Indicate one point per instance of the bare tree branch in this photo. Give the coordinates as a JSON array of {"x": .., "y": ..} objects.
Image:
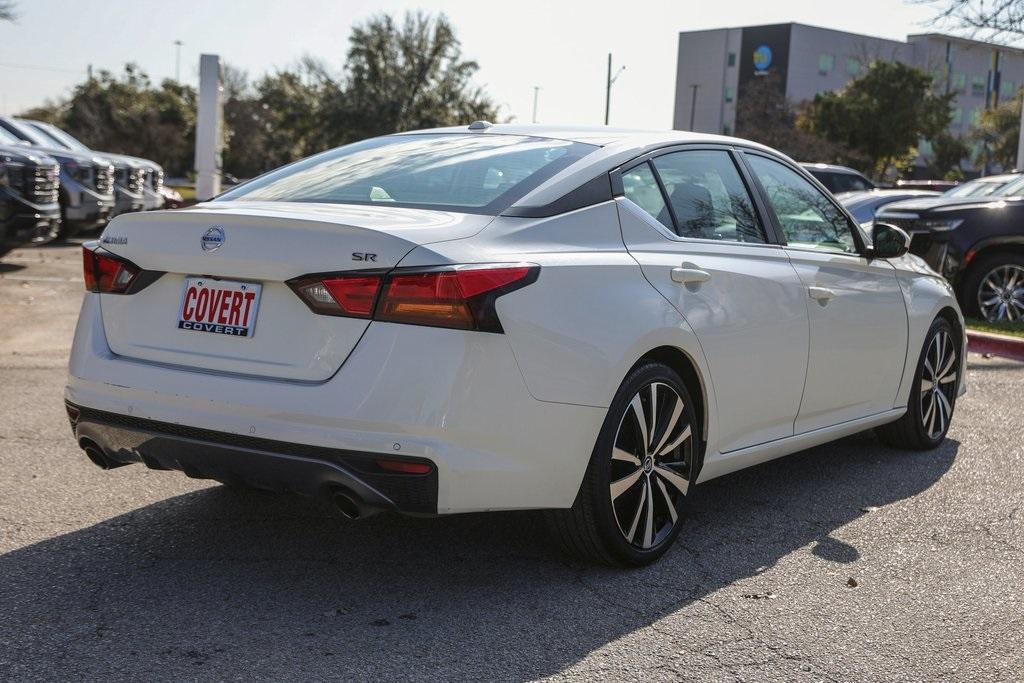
[{"x": 982, "y": 19}]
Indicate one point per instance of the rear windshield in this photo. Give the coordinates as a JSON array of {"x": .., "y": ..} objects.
[{"x": 457, "y": 172}]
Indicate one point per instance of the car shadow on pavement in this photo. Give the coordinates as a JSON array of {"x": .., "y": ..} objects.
[
  {"x": 10, "y": 267},
  {"x": 222, "y": 583}
]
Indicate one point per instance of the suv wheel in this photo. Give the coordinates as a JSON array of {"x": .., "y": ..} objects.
[
  {"x": 630, "y": 505},
  {"x": 994, "y": 288}
]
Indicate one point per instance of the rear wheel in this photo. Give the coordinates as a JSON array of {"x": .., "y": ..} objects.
[
  {"x": 932, "y": 396},
  {"x": 994, "y": 288},
  {"x": 631, "y": 503}
]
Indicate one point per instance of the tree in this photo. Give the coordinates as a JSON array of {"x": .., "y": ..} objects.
[
  {"x": 7, "y": 12},
  {"x": 409, "y": 76},
  {"x": 880, "y": 117},
  {"x": 948, "y": 151},
  {"x": 991, "y": 18},
  {"x": 997, "y": 133},
  {"x": 765, "y": 115}
]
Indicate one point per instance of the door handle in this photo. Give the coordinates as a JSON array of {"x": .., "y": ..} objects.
[
  {"x": 690, "y": 276},
  {"x": 821, "y": 294}
]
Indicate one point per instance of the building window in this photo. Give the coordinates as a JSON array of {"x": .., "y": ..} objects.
[
  {"x": 958, "y": 116},
  {"x": 853, "y": 67},
  {"x": 976, "y": 116},
  {"x": 978, "y": 86},
  {"x": 732, "y": 59},
  {"x": 959, "y": 81},
  {"x": 726, "y": 129},
  {"x": 826, "y": 63},
  {"x": 925, "y": 148},
  {"x": 1007, "y": 89},
  {"x": 729, "y": 95}
]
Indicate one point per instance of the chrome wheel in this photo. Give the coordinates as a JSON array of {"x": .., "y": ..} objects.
[
  {"x": 1001, "y": 294},
  {"x": 938, "y": 384},
  {"x": 650, "y": 465}
]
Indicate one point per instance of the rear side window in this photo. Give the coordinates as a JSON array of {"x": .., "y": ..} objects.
[
  {"x": 470, "y": 173},
  {"x": 848, "y": 182},
  {"x": 640, "y": 187},
  {"x": 708, "y": 196}
]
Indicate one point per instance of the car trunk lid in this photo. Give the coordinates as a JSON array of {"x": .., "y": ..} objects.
[{"x": 232, "y": 245}]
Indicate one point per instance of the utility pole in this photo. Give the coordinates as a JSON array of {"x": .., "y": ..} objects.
[
  {"x": 177, "y": 60},
  {"x": 693, "y": 104},
  {"x": 608, "y": 87},
  {"x": 536, "y": 89}
]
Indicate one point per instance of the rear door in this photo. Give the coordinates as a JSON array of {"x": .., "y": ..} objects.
[
  {"x": 689, "y": 219},
  {"x": 857, "y": 313}
]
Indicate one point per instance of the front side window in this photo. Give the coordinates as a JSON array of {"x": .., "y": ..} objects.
[
  {"x": 641, "y": 187},
  {"x": 471, "y": 173},
  {"x": 808, "y": 218},
  {"x": 708, "y": 196}
]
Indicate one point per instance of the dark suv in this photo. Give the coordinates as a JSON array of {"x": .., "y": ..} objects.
[
  {"x": 29, "y": 212},
  {"x": 977, "y": 243},
  {"x": 838, "y": 178}
]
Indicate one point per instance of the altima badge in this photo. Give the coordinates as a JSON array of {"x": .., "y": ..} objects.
[{"x": 213, "y": 238}]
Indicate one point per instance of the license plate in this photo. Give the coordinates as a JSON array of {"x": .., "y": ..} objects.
[{"x": 219, "y": 306}]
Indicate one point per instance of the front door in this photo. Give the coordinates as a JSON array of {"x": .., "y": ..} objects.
[
  {"x": 856, "y": 308},
  {"x": 706, "y": 251}
]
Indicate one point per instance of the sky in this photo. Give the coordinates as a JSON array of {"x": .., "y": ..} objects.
[{"x": 559, "y": 46}]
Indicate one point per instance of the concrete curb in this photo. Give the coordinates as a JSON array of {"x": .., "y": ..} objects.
[{"x": 996, "y": 344}]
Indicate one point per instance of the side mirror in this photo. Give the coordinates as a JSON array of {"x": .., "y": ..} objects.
[{"x": 888, "y": 241}]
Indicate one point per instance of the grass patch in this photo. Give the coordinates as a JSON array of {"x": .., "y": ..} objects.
[{"x": 1013, "y": 329}]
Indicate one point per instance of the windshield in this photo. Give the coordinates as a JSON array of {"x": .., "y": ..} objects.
[
  {"x": 57, "y": 135},
  {"x": 7, "y": 139},
  {"x": 471, "y": 173},
  {"x": 977, "y": 188},
  {"x": 1014, "y": 188}
]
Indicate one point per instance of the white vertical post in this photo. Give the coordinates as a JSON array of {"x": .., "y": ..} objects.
[
  {"x": 1020, "y": 139},
  {"x": 208, "y": 128}
]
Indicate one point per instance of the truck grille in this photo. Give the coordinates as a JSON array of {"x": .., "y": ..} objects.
[
  {"x": 103, "y": 175},
  {"x": 136, "y": 180},
  {"x": 41, "y": 183}
]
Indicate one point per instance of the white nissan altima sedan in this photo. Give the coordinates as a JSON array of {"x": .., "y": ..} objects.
[{"x": 498, "y": 317}]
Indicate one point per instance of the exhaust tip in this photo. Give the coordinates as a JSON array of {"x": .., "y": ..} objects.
[
  {"x": 95, "y": 454},
  {"x": 347, "y": 505}
]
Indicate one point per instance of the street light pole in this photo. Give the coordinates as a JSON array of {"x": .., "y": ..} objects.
[
  {"x": 536, "y": 89},
  {"x": 693, "y": 104},
  {"x": 608, "y": 87},
  {"x": 177, "y": 60}
]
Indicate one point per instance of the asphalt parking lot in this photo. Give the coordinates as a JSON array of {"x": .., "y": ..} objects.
[{"x": 849, "y": 562}]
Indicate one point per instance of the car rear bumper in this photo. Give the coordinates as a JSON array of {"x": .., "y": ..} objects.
[
  {"x": 456, "y": 399},
  {"x": 262, "y": 463}
]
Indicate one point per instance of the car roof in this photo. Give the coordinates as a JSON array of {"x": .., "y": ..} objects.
[{"x": 1001, "y": 178}]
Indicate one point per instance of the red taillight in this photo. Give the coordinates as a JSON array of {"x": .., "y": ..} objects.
[
  {"x": 460, "y": 297},
  {"x": 351, "y": 296},
  {"x": 106, "y": 273},
  {"x": 448, "y": 298}
]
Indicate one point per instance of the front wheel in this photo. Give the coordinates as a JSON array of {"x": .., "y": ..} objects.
[
  {"x": 932, "y": 395},
  {"x": 630, "y": 506}
]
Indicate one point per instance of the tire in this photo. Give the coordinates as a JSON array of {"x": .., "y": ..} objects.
[
  {"x": 982, "y": 284},
  {"x": 636, "y": 522},
  {"x": 931, "y": 404}
]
